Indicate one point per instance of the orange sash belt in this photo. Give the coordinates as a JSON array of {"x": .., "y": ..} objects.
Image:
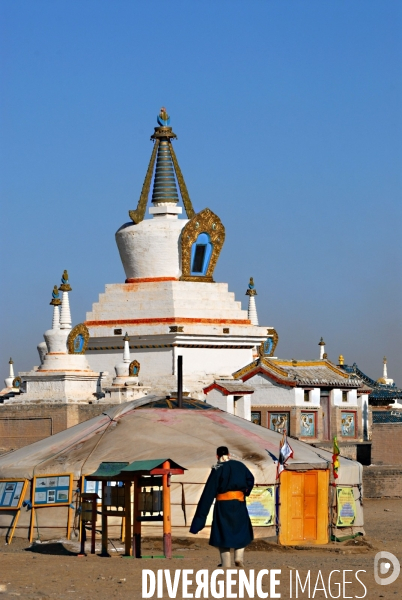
[{"x": 231, "y": 496}]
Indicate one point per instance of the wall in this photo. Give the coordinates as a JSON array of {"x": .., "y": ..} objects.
[
  {"x": 380, "y": 482},
  {"x": 387, "y": 444},
  {"x": 23, "y": 424},
  {"x": 268, "y": 392}
]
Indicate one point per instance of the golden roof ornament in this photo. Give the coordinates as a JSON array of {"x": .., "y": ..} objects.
[
  {"x": 55, "y": 301},
  {"x": 65, "y": 286},
  {"x": 341, "y": 360},
  {"x": 321, "y": 342},
  {"x": 126, "y": 338},
  {"x": 11, "y": 362}
]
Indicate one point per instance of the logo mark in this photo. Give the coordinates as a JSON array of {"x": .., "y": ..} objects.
[{"x": 382, "y": 564}]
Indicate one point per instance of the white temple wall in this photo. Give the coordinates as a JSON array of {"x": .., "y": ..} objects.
[
  {"x": 242, "y": 406},
  {"x": 219, "y": 400},
  {"x": 267, "y": 392},
  {"x": 153, "y": 361},
  {"x": 212, "y": 363},
  {"x": 314, "y": 397}
]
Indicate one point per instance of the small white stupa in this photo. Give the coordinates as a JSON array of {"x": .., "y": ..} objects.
[
  {"x": 12, "y": 383},
  {"x": 385, "y": 379},
  {"x": 64, "y": 374},
  {"x": 321, "y": 344},
  {"x": 125, "y": 386}
]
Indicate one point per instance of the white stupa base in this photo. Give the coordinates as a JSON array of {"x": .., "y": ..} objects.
[
  {"x": 58, "y": 361},
  {"x": 61, "y": 387},
  {"x": 124, "y": 389}
]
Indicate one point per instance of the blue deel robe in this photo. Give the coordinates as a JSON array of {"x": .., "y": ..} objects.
[{"x": 231, "y": 526}]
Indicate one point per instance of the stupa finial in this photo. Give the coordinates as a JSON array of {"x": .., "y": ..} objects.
[
  {"x": 55, "y": 301},
  {"x": 65, "y": 286},
  {"x": 163, "y": 118},
  {"x": 65, "y": 315},
  {"x": 251, "y": 288},
  {"x": 321, "y": 344},
  {"x": 252, "y": 309},
  {"x": 164, "y": 194},
  {"x": 126, "y": 351}
]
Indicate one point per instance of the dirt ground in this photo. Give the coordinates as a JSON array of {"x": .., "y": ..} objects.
[{"x": 53, "y": 569}]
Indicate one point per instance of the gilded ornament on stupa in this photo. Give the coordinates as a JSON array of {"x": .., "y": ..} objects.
[
  {"x": 251, "y": 288},
  {"x": 65, "y": 286},
  {"x": 55, "y": 301}
]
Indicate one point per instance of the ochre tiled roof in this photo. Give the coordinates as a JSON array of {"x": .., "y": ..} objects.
[{"x": 301, "y": 372}]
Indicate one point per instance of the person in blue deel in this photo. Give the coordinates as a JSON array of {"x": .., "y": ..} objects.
[{"x": 228, "y": 484}]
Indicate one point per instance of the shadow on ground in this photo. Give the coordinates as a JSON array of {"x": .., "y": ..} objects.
[{"x": 56, "y": 548}]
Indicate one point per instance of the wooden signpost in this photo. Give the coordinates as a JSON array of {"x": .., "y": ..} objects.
[{"x": 49, "y": 491}]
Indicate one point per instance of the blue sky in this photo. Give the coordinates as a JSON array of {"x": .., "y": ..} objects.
[{"x": 289, "y": 120}]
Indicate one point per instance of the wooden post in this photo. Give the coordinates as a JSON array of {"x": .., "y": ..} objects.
[
  {"x": 32, "y": 523},
  {"x": 127, "y": 518},
  {"x": 136, "y": 522},
  {"x": 69, "y": 522},
  {"x": 167, "y": 523},
  {"x": 83, "y": 538},
  {"x": 104, "y": 522},
  {"x": 93, "y": 524}
]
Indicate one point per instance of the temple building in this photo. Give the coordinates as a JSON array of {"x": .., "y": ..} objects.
[{"x": 312, "y": 400}]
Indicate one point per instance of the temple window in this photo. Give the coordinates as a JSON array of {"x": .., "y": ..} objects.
[
  {"x": 201, "y": 252},
  {"x": 306, "y": 395},
  {"x": 344, "y": 396}
]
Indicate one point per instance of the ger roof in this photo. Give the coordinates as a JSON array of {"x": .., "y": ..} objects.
[{"x": 300, "y": 372}]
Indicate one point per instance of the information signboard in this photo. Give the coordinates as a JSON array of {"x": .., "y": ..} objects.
[
  {"x": 52, "y": 490},
  {"x": 346, "y": 506},
  {"x": 12, "y": 493},
  {"x": 261, "y": 506}
]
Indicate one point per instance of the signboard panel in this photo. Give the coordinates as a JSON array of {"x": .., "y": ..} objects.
[
  {"x": 11, "y": 493},
  {"x": 52, "y": 490},
  {"x": 261, "y": 506},
  {"x": 346, "y": 507}
]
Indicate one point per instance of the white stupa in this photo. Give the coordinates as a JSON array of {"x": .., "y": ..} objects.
[
  {"x": 169, "y": 303},
  {"x": 385, "y": 379},
  {"x": 12, "y": 383},
  {"x": 126, "y": 385},
  {"x": 64, "y": 375}
]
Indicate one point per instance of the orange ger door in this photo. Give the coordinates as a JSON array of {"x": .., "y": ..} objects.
[{"x": 303, "y": 507}]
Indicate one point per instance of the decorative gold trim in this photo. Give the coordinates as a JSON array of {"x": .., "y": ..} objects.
[
  {"x": 138, "y": 214},
  {"x": 182, "y": 185},
  {"x": 272, "y": 332},
  {"x": 79, "y": 329},
  {"x": 239, "y": 374},
  {"x": 314, "y": 363},
  {"x": 17, "y": 381},
  {"x": 272, "y": 365},
  {"x": 203, "y": 222},
  {"x": 131, "y": 368}
]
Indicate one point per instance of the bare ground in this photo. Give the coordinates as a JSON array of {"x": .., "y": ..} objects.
[{"x": 53, "y": 569}]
